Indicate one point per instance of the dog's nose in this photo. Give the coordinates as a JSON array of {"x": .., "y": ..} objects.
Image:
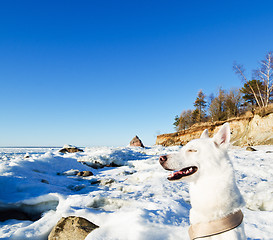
[{"x": 163, "y": 159}]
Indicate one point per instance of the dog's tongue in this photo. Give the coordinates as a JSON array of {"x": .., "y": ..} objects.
[
  {"x": 176, "y": 175},
  {"x": 182, "y": 173}
]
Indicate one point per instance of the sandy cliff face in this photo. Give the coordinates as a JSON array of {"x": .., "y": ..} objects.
[{"x": 244, "y": 132}]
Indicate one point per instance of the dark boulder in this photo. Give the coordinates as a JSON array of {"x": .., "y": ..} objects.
[{"x": 136, "y": 142}]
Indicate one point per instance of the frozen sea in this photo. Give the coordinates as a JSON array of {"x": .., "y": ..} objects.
[{"x": 133, "y": 201}]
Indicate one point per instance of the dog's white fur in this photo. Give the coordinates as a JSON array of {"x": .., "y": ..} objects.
[{"x": 213, "y": 190}]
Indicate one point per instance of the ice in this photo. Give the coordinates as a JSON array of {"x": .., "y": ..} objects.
[{"x": 128, "y": 196}]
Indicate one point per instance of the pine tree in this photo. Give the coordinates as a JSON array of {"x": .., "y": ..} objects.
[
  {"x": 200, "y": 105},
  {"x": 248, "y": 95},
  {"x": 177, "y": 123}
]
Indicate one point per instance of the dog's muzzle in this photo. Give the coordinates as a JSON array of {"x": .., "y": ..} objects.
[
  {"x": 185, "y": 172},
  {"x": 163, "y": 161}
]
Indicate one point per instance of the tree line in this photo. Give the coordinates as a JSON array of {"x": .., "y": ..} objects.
[{"x": 255, "y": 95}]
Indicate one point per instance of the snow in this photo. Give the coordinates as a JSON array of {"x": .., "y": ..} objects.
[
  {"x": 69, "y": 146},
  {"x": 132, "y": 201}
]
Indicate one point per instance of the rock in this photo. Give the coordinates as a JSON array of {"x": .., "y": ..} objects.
[
  {"x": 72, "y": 228},
  {"x": 112, "y": 164},
  {"x": 44, "y": 181},
  {"x": 95, "y": 181},
  {"x": 70, "y": 149},
  {"x": 269, "y": 152},
  {"x": 77, "y": 187},
  {"x": 136, "y": 142},
  {"x": 85, "y": 174},
  {"x": 107, "y": 182},
  {"x": 251, "y": 149}
]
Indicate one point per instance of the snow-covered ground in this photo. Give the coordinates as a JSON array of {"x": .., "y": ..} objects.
[{"x": 132, "y": 201}]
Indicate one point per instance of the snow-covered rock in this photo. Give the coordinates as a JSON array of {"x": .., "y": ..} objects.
[{"x": 70, "y": 149}]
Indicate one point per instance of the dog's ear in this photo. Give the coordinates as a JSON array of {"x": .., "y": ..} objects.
[
  {"x": 205, "y": 134},
  {"x": 222, "y": 138}
]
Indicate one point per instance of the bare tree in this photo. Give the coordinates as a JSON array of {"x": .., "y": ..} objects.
[
  {"x": 184, "y": 121},
  {"x": 240, "y": 71},
  {"x": 233, "y": 103},
  {"x": 217, "y": 108},
  {"x": 265, "y": 74}
]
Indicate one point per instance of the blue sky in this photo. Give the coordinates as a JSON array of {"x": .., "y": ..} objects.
[{"x": 98, "y": 72}]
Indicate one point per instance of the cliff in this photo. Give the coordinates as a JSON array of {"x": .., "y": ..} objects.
[{"x": 245, "y": 131}]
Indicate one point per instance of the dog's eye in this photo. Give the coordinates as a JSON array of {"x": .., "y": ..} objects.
[{"x": 192, "y": 150}]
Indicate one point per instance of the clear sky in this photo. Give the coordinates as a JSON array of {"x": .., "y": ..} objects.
[{"x": 95, "y": 72}]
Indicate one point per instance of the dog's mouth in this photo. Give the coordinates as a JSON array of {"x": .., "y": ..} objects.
[{"x": 185, "y": 172}]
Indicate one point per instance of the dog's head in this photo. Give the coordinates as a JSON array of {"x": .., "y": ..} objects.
[{"x": 199, "y": 156}]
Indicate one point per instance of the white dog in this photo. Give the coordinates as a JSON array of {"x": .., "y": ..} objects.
[{"x": 215, "y": 197}]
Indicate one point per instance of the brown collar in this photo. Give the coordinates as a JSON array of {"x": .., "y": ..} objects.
[{"x": 215, "y": 227}]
